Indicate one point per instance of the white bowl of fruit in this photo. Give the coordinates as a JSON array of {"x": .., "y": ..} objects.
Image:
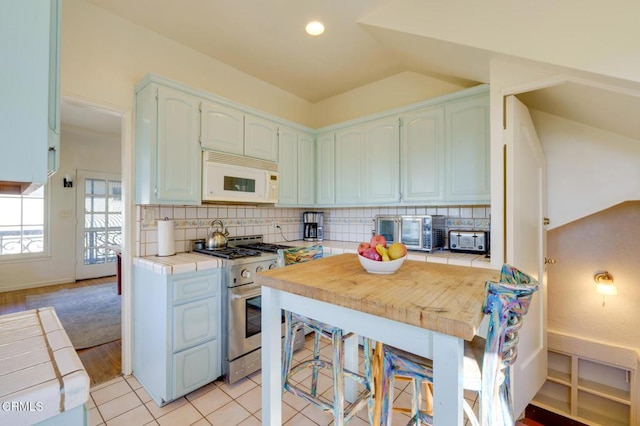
[{"x": 378, "y": 258}]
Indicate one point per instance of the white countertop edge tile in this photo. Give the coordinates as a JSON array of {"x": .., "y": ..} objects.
[{"x": 189, "y": 262}]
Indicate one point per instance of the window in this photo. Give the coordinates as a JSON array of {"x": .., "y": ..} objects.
[{"x": 22, "y": 223}]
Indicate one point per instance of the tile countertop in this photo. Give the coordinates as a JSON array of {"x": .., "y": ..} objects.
[
  {"x": 39, "y": 369},
  {"x": 190, "y": 262},
  {"x": 438, "y": 256},
  {"x": 179, "y": 263}
]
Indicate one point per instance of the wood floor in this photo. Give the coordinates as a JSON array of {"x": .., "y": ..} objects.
[{"x": 102, "y": 362}]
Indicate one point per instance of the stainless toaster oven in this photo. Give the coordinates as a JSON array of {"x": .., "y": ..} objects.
[
  {"x": 469, "y": 241},
  {"x": 416, "y": 232}
]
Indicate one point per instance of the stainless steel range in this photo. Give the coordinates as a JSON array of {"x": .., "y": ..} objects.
[{"x": 242, "y": 259}]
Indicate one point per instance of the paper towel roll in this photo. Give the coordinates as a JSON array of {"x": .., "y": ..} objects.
[{"x": 166, "y": 239}]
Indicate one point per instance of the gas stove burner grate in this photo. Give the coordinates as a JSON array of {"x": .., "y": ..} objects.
[
  {"x": 229, "y": 252},
  {"x": 268, "y": 247}
]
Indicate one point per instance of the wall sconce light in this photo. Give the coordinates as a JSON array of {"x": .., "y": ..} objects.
[
  {"x": 67, "y": 181},
  {"x": 604, "y": 285}
]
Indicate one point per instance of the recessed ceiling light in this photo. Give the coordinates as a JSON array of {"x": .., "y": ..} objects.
[{"x": 314, "y": 28}]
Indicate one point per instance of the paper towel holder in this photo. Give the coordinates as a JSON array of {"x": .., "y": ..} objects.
[{"x": 166, "y": 239}]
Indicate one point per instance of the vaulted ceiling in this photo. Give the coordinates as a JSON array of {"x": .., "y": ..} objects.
[{"x": 266, "y": 39}]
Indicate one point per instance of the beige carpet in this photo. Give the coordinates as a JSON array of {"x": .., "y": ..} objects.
[{"x": 90, "y": 315}]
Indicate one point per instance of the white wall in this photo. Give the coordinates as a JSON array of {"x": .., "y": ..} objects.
[
  {"x": 79, "y": 149},
  {"x": 588, "y": 169},
  {"x": 398, "y": 90},
  {"x": 103, "y": 56}
]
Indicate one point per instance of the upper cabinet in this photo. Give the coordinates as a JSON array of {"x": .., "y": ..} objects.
[
  {"x": 325, "y": 169},
  {"x": 168, "y": 155},
  {"x": 30, "y": 122},
  {"x": 467, "y": 150},
  {"x": 423, "y": 155},
  {"x": 367, "y": 163},
  {"x": 306, "y": 169},
  {"x": 350, "y": 165},
  {"x": 435, "y": 152},
  {"x": 260, "y": 138},
  {"x": 232, "y": 131},
  {"x": 445, "y": 153},
  {"x": 296, "y": 166},
  {"x": 222, "y": 128},
  {"x": 382, "y": 161}
]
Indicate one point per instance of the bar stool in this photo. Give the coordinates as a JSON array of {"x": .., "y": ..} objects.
[
  {"x": 486, "y": 362},
  {"x": 293, "y": 322}
]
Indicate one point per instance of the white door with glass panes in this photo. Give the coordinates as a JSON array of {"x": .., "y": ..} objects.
[{"x": 99, "y": 223}]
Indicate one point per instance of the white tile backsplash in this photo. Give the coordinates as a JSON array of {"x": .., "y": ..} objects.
[{"x": 340, "y": 224}]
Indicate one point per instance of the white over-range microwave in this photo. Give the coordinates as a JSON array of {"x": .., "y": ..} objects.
[{"x": 230, "y": 178}]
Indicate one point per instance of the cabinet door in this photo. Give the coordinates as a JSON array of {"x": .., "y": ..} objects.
[
  {"x": 423, "y": 155},
  {"x": 467, "y": 141},
  {"x": 382, "y": 161},
  {"x": 195, "y": 368},
  {"x": 54, "y": 89},
  {"x": 178, "y": 150},
  {"x": 288, "y": 166},
  {"x": 306, "y": 169},
  {"x": 195, "y": 323},
  {"x": 222, "y": 128},
  {"x": 260, "y": 138},
  {"x": 325, "y": 172},
  {"x": 350, "y": 166},
  {"x": 27, "y": 97}
]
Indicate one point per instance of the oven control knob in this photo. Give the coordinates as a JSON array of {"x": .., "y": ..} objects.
[
  {"x": 259, "y": 269},
  {"x": 245, "y": 273},
  {"x": 273, "y": 265}
]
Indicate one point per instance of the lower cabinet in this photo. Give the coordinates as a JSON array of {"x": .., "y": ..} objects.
[
  {"x": 176, "y": 331},
  {"x": 590, "y": 388}
]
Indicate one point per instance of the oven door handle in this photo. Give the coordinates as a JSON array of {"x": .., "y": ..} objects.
[{"x": 246, "y": 291}]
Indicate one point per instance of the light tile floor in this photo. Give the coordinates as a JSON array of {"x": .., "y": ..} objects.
[{"x": 123, "y": 401}]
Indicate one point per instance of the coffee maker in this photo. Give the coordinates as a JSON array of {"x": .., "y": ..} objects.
[{"x": 312, "y": 226}]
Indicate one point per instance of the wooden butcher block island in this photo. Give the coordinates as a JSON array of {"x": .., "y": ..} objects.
[
  {"x": 439, "y": 297},
  {"x": 428, "y": 309}
]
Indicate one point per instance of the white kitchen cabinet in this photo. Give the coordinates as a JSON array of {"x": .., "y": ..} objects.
[
  {"x": 296, "y": 166},
  {"x": 229, "y": 130},
  {"x": 176, "y": 331},
  {"x": 382, "y": 161},
  {"x": 350, "y": 166},
  {"x": 167, "y": 147},
  {"x": 325, "y": 169},
  {"x": 367, "y": 163},
  {"x": 467, "y": 177},
  {"x": 423, "y": 155},
  {"x": 260, "y": 138},
  {"x": 30, "y": 101},
  {"x": 306, "y": 169},
  {"x": 222, "y": 128},
  {"x": 288, "y": 166}
]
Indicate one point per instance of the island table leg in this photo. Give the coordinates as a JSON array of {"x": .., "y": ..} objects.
[{"x": 271, "y": 358}]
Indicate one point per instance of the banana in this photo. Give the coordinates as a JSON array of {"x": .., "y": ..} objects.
[{"x": 383, "y": 252}]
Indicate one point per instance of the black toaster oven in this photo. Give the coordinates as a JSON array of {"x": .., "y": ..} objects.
[{"x": 466, "y": 241}]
